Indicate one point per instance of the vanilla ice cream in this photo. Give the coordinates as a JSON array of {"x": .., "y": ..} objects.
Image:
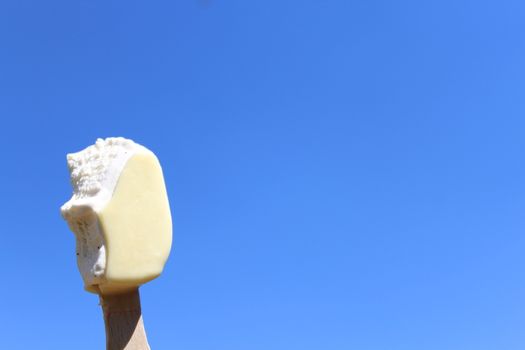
[{"x": 119, "y": 213}]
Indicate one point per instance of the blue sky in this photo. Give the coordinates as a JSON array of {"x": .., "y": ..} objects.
[{"x": 342, "y": 174}]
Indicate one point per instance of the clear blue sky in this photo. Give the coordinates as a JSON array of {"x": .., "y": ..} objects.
[{"x": 342, "y": 174}]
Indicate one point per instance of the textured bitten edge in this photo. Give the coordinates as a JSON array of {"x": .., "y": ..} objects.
[{"x": 94, "y": 175}]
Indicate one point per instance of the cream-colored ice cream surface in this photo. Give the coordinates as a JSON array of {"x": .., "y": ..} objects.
[{"x": 119, "y": 213}]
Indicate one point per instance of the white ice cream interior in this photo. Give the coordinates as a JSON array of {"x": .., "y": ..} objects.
[{"x": 94, "y": 175}]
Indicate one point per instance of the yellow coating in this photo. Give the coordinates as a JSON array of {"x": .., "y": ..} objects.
[{"x": 136, "y": 225}]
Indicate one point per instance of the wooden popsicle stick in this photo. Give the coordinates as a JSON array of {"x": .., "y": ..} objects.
[{"x": 123, "y": 321}]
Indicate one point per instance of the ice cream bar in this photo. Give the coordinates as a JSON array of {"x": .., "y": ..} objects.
[{"x": 120, "y": 215}]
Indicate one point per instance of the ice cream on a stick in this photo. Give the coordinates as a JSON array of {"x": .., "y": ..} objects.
[{"x": 120, "y": 215}]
